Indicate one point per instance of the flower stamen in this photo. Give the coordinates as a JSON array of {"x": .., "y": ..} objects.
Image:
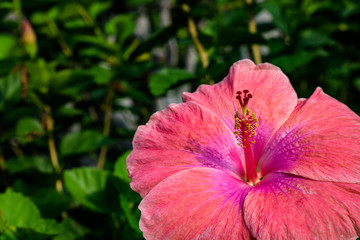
[{"x": 245, "y": 133}]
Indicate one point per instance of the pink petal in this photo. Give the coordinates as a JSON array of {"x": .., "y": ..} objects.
[
  {"x": 180, "y": 137},
  {"x": 320, "y": 140},
  {"x": 285, "y": 207},
  {"x": 199, "y": 203},
  {"x": 273, "y": 97}
]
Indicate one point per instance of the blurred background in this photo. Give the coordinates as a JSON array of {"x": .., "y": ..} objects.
[{"x": 78, "y": 77}]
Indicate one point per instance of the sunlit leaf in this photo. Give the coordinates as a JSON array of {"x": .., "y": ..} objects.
[
  {"x": 18, "y": 211},
  {"x": 92, "y": 187},
  {"x": 80, "y": 142},
  {"x": 7, "y": 45}
]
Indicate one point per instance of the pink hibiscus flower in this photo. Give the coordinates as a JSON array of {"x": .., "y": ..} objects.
[{"x": 246, "y": 159}]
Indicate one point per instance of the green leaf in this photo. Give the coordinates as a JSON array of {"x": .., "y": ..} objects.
[
  {"x": 357, "y": 83},
  {"x": 50, "y": 202},
  {"x": 2, "y": 223},
  {"x": 69, "y": 77},
  {"x": 75, "y": 23},
  {"x": 278, "y": 18},
  {"x": 20, "y": 212},
  {"x": 6, "y": 5},
  {"x": 131, "y": 213},
  {"x": 7, "y": 45},
  {"x": 72, "y": 230},
  {"x": 10, "y": 86},
  {"x": 26, "y": 163},
  {"x": 165, "y": 78},
  {"x": 89, "y": 40},
  {"x": 68, "y": 111},
  {"x": 80, "y": 142},
  {"x": 41, "y": 74},
  {"x": 101, "y": 74},
  {"x": 27, "y": 129},
  {"x": 98, "y": 7},
  {"x": 289, "y": 63},
  {"x": 129, "y": 201},
  {"x": 156, "y": 39},
  {"x": 92, "y": 187},
  {"x": 70, "y": 10},
  {"x": 7, "y": 235},
  {"x": 311, "y": 38},
  {"x": 70, "y": 82},
  {"x": 122, "y": 26},
  {"x": 7, "y": 64},
  {"x": 38, "y": 18},
  {"x": 120, "y": 167}
]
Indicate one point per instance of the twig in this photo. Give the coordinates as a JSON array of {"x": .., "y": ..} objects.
[
  {"x": 252, "y": 29},
  {"x": 107, "y": 124},
  {"x": 57, "y": 34},
  {"x": 204, "y": 58},
  {"x": 52, "y": 147}
]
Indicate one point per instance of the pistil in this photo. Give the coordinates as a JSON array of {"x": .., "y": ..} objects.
[{"x": 245, "y": 126}]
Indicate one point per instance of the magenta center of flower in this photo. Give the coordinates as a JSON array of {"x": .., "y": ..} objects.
[{"x": 245, "y": 132}]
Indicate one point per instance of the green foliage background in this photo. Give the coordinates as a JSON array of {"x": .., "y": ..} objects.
[{"x": 78, "y": 77}]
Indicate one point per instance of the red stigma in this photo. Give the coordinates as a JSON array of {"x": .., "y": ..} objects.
[{"x": 243, "y": 101}]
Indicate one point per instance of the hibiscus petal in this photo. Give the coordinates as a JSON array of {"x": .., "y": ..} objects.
[
  {"x": 320, "y": 140},
  {"x": 200, "y": 203},
  {"x": 180, "y": 137},
  {"x": 288, "y": 207},
  {"x": 273, "y": 98}
]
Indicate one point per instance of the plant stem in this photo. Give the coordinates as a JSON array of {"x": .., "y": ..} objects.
[
  {"x": 194, "y": 35},
  {"x": 17, "y": 9},
  {"x": 107, "y": 124},
  {"x": 52, "y": 147},
  {"x": 252, "y": 29}
]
